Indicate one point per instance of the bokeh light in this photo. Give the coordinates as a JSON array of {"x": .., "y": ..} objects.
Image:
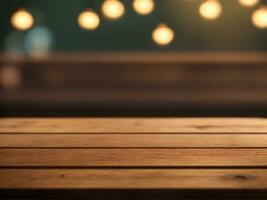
[
  {"x": 39, "y": 41},
  {"x": 10, "y": 77},
  {"x": 163, "y": 35},
  {"x": 259, "y": 17},
  {"x": 113, "y": 9},
  {"x": 248, "y": 3},
  {"x": 14, "y": 42},
  {"x": 143, "y": 7},
  {"x": 210, "y": 9},
  {"x": 22, "y": 20},
  {"x": 88, "y": 20}
]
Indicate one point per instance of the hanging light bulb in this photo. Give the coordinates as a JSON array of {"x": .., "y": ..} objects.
[
  {"x": 163, "y": 35},
  {"x": 88, "y": 20},
  {"x": 143, "y": 7},
  {"x": 113, "y": 9},
  {"x": 22, "y": 20},
  {"x": 210, "y": 9},
  {"x": 248, "y": 3},
  {"x": 259, "y": 17}
]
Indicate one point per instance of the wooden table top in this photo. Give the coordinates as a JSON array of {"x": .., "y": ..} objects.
[{"x": 133, "y": 153}]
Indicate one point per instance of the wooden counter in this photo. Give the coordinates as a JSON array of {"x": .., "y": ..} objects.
[{"x": 133, "y": 153}]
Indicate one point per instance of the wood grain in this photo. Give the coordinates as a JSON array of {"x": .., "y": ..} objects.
[
  {"x": 133, "y": 125},
  {"x": 132, "y": 179},
  {"x": 133, "y": 153},
  {"x": 132, "y": 140},
  {"x": 133, "y": 157}
]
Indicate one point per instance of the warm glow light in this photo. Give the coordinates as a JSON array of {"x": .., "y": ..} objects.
[
  {"x": 22, "y": 20},
  {"x": 10, "y": 77},
  {"x": 88, "y": 20},
  {"x": 259, "y": 17},
  {"x": 143, "y": 7},
  {"x": 248, "y": 3},
  {"x": 163, "y": 35},
  {"x": 210, "y": 9},
  {"x": 113, "y": 9}
]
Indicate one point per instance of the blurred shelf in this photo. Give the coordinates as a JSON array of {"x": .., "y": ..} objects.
[{"x": 141, "y": 57}]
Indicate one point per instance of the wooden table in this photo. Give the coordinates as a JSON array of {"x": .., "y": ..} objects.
[{"x": 133, "y": 154}]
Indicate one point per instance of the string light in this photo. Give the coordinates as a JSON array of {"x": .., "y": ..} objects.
[
  {"x": 113, "y": 9},
  {"x": 163, "y": 35},
  {"x": 210, "y": 9},
  {"x": 248, "y": 3},
  {"x": 88, "y": 20},
  {"x": 22, "y": 20},
  {"x": 143, "y": 7},
  {"x": 259, "y": 17}
]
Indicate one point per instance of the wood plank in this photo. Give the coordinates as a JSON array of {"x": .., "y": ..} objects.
[
  {"x": 133, "y": 157},
  {"x": 132, "y": 140},
  {"x": 133, "y": 179},
  {"x": 133, "y": 125}
]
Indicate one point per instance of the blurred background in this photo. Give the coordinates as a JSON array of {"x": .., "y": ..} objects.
[{"x": 133, "y": 58}]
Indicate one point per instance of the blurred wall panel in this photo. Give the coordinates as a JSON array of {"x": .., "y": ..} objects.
[{"x": 139, "y": 84}]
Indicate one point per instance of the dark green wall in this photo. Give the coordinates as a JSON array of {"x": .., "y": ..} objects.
[{"x": 233, "y": 31}]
